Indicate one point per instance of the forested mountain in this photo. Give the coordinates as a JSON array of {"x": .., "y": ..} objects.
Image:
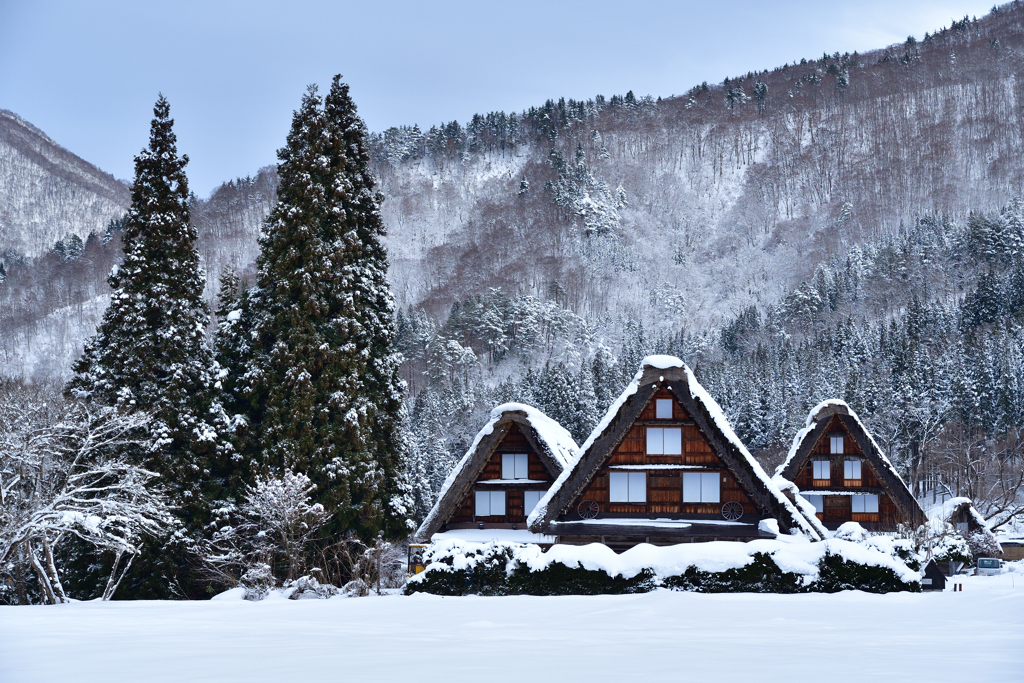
[
  {"x": 47, "y": 193},
  {"x": 793, "y": 233}
]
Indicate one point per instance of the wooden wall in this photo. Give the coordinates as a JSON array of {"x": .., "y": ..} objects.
[
  {"x": 838, "y": 509},
  {"x": 664, "y": 487},
  {"x": 513, "y": 442}
]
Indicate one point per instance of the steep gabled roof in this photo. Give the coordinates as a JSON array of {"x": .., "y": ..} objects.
[
  {"x": 818, "y": 421},
  {"x": 553, "y": 444},
  {"x": 947, "y": 510},
  {"x": 669, "y": 372}
]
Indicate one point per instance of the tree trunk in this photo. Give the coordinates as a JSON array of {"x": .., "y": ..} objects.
[
  {"x": 51, "y": 568},
  {"x": 44, "y": 579},
  {"x": 111, "y": 587}
]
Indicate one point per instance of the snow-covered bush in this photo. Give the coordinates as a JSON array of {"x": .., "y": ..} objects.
[
  {"x": 982, "y": 544},
  {"x": 457, "y": 567},
  {"x": 272, "y": 527},
  {"x": 257, "y": 581},
  {"x": 308, "y": 588}
]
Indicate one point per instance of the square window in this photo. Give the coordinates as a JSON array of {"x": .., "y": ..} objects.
[
  {"x": 530, "y": 500},
  {"x": 837, "y": 445},
  {"x": 871, "y": 503},
  {"x": 701, "y": 487},
  {"x": 822, "y": 469},
  {"x": 664, "y": 441},
  {"x": 490, "y": 503},
  {"x": 815, "y": 500},
  {"x": 627, "y": 487},
  {"x": 663, "y": 408},
  {"x": 851, "y": 469},
  {"x": 515, "y": 466}
]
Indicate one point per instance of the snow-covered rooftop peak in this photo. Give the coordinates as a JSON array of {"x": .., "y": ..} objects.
[
  {"x": 563, "y": 447},
  {"x": 662, "y": 362},
  {"x": 827, "y": 408}
]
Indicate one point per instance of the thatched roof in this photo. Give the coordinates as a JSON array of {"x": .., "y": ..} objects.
[
  {"x": 553, "y": 444},
  {"x": 657, "y": 372},
  {"x": 818, "y": 421}
]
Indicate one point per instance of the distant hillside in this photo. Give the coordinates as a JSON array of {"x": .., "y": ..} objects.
[
  {"x": 47, "y": 193},
  {"x": 677, "y": 212}
]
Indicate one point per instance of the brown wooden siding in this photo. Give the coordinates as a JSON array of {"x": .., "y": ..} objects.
[
  {"x": 513, "y": 442},
  {"x": 664, "y": 487}
]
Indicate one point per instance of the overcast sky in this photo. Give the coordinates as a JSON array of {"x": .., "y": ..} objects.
[{"x": 87, "y": 73}]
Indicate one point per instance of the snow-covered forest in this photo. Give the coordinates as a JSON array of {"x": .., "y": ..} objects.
[{"x": 846, "y": 226}]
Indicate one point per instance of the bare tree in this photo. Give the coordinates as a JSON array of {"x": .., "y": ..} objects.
[{"x": 63, "y": 475}]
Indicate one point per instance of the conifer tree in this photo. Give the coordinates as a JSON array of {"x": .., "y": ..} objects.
[
  {"x": 150, "y": 352},
  {"x": 322, "y": 382}
]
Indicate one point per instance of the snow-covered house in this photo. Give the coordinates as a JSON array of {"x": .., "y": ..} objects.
[
  {"x": 510, "y": 465},
  {"x": 664, "y": 466},
  {"x": 839, "y": 469},
  {"x": 961, "y": 514}
]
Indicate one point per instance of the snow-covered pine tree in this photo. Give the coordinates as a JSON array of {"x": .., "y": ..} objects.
[
  {"x": 323, "y": 379},
  {"x": 150, "y": 352}
]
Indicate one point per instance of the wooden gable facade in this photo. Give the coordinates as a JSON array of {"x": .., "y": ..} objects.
[
  {"x": 512, "y": 463},
  {"x": 662, "y": 470},
  {"x": 840, "y": 470}
]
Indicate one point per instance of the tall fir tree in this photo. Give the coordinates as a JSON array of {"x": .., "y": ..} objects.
[
  {"x": 322, "y": 384},
  {"x": 150, "y": 352}
]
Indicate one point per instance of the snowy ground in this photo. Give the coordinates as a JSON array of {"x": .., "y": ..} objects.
[{"x": 977, "y": 634}]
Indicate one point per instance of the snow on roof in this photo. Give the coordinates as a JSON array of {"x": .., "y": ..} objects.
[
  {"x": 943, "y": 511},
  {"x": 793, "y": 492},
  {"x": 699, "y": 394},
  {"x": 553, "y": 437},
  {"x": 711, "y": 405},
  {"x": 826, "y": 409}
]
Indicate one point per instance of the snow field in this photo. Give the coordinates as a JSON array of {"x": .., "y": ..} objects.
[{"x": 977, "y": 634}]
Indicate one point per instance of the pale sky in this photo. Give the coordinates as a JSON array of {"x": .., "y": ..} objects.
[{"x": 87, "y": 73}]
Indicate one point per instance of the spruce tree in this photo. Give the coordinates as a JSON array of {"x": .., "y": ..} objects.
[
  {"x": 322, "y": 382},
  {"x": 150, "y": 352}
]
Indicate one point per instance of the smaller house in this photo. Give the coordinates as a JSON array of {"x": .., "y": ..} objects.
[
  {"x": 843, "y": 473},
  {"x": 513, "y": 461},
  {"x": 961, "y": 514}
]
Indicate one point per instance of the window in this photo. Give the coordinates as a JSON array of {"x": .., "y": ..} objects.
[
  {"x": 865, "y": 503},
  {"x": 851, "y": 470},
  {"x": 663, "y": 408},
  {"x": 530, "y": 500},
  {"x": 515, "y": 466},
  {"x": 815, "y": 500},
  {"x": 822, "y": 469},
  {"x": 627, "y": 487},
  {"x": 701, "y": 487},
  {"x": 664, "y": 441},
  {"x": 961, "y": 528},
  {"x": 490, "y": 503},
  {"x": 837, "y": 444}
]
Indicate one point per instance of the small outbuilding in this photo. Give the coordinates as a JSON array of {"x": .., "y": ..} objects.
[
  {"x": 513, "y": 461},
  {"x": 932, "y": 577}
]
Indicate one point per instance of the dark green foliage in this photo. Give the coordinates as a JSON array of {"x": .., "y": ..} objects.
[
  {"x": 836, "y": 573},
  {"x": 494, "y": 572},
  {"x": 315, "y": 337},
  {"x": 560, "y": 579},
  {"x": 760, "y": 576}
]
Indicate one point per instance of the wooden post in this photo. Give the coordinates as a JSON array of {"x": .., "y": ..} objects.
[{"x": 380, "y": 542}]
